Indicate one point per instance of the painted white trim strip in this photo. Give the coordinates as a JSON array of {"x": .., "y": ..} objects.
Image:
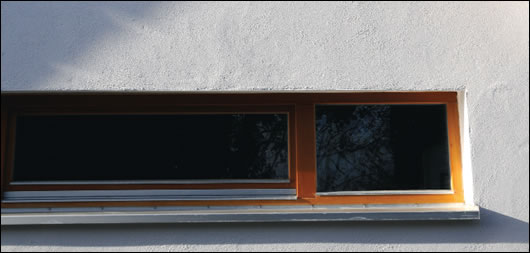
[
  {"x": 245, "y": 214},
  {"x": 148, "y": 195}
]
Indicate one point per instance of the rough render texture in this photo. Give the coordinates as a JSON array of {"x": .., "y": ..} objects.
[{"x": 478, "y": 47}]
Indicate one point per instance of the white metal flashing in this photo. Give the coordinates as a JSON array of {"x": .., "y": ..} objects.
[{"x": 204, "y": 214}]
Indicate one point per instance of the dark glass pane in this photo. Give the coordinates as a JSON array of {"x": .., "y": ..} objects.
[
  {"x": 382, "y": 147},
  {"x": 151, "y": 147}
]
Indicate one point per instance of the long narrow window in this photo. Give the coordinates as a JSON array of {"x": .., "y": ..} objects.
[
  {"x": 230, "y": 149},
  {"x": 156, "y": 148}
]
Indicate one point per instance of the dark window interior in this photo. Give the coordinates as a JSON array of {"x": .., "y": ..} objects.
[
  {"x": 382, "y": 147},
  {"x": 151, "y": 147}
]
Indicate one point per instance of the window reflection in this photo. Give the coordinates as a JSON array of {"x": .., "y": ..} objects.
[
  {"x": 151, "y": 147},
  {"x": 381, "y": 147}
]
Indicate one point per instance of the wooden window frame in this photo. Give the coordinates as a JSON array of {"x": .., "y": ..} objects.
[{"x": 300, "y": 107}]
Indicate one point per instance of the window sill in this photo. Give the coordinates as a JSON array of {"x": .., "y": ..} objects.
[{"x": 205, "y": 214}]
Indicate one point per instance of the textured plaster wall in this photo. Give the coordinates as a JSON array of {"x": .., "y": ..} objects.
[{"x": 478, "y": 47}]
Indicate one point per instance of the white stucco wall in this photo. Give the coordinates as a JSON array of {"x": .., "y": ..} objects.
[{"x": 478, "y": 47}]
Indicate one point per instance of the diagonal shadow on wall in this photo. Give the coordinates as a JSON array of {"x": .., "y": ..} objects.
[
  {"x": 38, "y": 35},
  {"x": 492, "y": 228}
]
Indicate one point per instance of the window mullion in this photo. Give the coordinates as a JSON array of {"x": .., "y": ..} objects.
[{"x": 306, "y": 151}]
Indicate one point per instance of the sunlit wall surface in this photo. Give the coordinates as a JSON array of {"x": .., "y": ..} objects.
[{"x": 480, "y": 48}]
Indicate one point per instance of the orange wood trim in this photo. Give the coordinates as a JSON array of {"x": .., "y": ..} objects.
[
  {"x": 455, "y": 151},
  {"x": 306, "y": 156}
]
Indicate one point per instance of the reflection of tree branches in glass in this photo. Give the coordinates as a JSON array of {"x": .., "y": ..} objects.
[
  {"x": 261, "y": 143},
  {"x": 353, "y": 147}
]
